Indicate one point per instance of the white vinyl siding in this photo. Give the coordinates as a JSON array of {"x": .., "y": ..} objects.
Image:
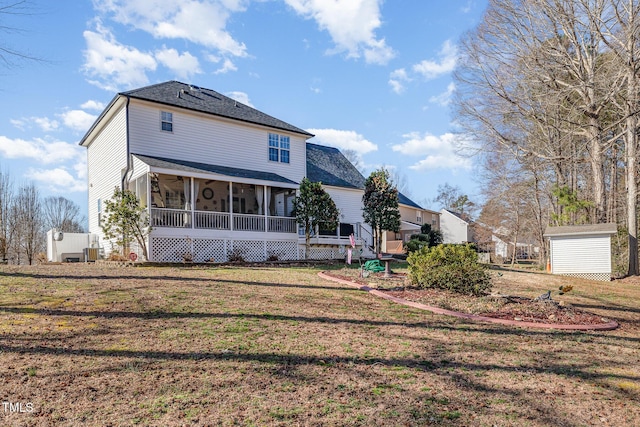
[
  {"x": 454, "y": 229},
  {"x": 106, "y": 157},
  {"x": 348, "y": 202},
  {"x": 211, "y": 140},
  {"x": 581, "y": 254}
]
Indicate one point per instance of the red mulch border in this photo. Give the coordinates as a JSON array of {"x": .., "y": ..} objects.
[{"x": 611, "y": 325}]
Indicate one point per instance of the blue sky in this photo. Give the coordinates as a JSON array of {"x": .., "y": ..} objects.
[{"x": 372, "y": 76}]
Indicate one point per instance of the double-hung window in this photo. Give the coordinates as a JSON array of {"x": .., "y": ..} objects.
[
  {"x": 166, "y": 121},
  {"x": 284, "y": 149},
  {"x": 274, "y": 145},
  {"x": 279, "y": 148}
]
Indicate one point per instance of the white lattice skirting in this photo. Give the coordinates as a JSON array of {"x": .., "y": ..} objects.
[
  {"x": 178, "y": 249},
  {"x": 601, "y": 277}
]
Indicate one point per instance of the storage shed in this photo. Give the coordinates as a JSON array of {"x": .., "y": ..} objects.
[{"x": 581, "y": 250}]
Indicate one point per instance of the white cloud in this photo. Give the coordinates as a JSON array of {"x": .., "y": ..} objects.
[
  {"x": 440, "y": 151},
  {"x": 227, "y": 66},
  {"x": 112, "y": 65},
  {"x": 448, "y": 56},
  {"x": 183, "y": 64},
  {"x": 397, "y": 80},
  {"x": 240, "y": 97},
  {"x": 351, "y": 25},
  {"x": 78, "y": 120},
  {"x": 444, "y": 98},
  {"x": 199, "y": 21},
  {"x": 44, "y": 123},
  {"x": 343, "y": 139},
  {"x": 38, "y": 149},
  {"x": 93, "y": 105},
  {"x": 57, "y": 180}
]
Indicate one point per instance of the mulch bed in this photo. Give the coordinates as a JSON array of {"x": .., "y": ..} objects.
[{"x": 505, "y": 307}]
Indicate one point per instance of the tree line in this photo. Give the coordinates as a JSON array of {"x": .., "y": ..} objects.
[
  {"x": 25, "y": 217},
  {"x": 549, "y": 92}
]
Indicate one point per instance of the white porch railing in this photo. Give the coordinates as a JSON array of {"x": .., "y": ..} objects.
[
  {"x": 211, "y": 220},
  {"x": 278, "y": 224},
  {"x": 244, "y": 222},
  {"x": 174, "y": 218},
  {"x": 179, "y": 218}
]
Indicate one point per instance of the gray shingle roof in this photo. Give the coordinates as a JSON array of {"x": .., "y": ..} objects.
[
  {"x": 183, "y": 95},
  {"x": 407, "y": 201},
  {"x": 576, "y": 230},
  {"x": 330, "y": 167},
  {"x": 187, "y": 166}
]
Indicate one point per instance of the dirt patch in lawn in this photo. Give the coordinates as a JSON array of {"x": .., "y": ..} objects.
[{"x": 550, "y": 307}]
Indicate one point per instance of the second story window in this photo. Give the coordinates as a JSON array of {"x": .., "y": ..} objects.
[
  {"x": 284, "y": 149},
  {"x": 166, "y": 120},
  {"x": 273, "y": 147},
  {"x": 279, "y": 146}
]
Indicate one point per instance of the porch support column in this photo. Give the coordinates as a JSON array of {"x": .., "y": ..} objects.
[
  {"x": 230, "y": 205},
  {"x": 266, "y": 212},
  {"x": 193, "y": 204}
]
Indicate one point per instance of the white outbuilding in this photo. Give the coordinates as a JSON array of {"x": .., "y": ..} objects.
[{"x": 581, "y": 250}]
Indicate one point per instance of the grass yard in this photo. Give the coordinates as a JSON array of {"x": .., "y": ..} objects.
[{"x": 97, "y": 345}]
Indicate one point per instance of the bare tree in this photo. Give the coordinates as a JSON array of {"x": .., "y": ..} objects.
[
  {"x": 28, "y": 214},
  {"x": 556, "y": 83},
  {"x": 6, "y": 202},
  {"x": 535, "y": 81},
  {"x": 619, "y": 29},
  {"x": 354, "y": 158},
  {"x": 400, "y": 180},
  {"x": 11, "y": 10},
  {"x": 451, "y": 198},
  {"x": 62, "y": 214}
]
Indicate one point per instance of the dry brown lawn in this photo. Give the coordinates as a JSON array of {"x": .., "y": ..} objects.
[{"x": 169, "y": 346}]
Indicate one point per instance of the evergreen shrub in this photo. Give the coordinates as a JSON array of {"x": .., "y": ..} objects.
[{"x": 451, "y": 267}]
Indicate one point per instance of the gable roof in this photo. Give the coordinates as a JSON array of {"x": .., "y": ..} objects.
[
  {"x": 458, "y": 215},
  {"x": 330, "y": 167},
  {"x": 187, "y": 166},
  {"x": 190, "y": 97}
]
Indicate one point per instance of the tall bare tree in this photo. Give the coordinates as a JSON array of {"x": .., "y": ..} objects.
[
  {"x": 62, "y": 214},
  {"x": 556, "y": 82},
  {"x": 6, "y": 202},
  {"x": 28, "y": 215}
]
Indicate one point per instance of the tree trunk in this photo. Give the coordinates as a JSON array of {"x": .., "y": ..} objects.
[
  {"x": 595, "y": 159},
  {"x": 632, "y": 183}
]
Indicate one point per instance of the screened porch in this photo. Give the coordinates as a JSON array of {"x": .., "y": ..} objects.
[{"x": 177, "y": 201}]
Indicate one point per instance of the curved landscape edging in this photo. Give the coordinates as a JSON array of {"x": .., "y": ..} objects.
[{"x": 437, "y": 310}]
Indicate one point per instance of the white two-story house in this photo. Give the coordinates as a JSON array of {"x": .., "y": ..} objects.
[{"x": 217, "y": 177}]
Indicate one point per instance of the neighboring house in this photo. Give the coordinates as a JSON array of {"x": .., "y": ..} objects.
[
  {"x": 581, "y": 250},
  {"x": 412, "y": 217},
  {"x": 454, "y": 227},
  {"x": 217, "y": 177}
]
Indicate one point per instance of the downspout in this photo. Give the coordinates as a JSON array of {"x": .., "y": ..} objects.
[{"x": 128, "y": 168}]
